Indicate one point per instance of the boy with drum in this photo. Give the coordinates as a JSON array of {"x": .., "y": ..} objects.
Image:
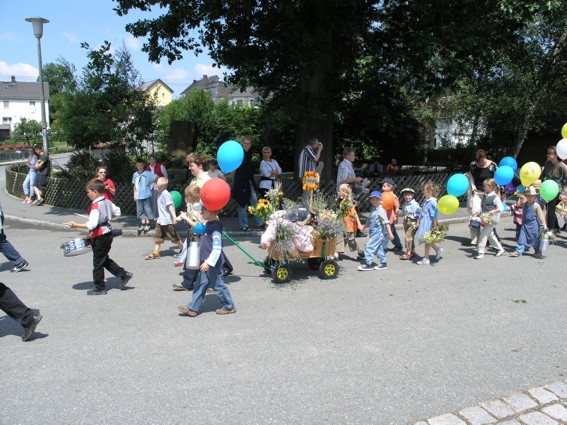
[{"x": 100, "y": 213}]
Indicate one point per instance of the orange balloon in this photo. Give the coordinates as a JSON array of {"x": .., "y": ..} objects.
[{"x": 388, "y": 200}]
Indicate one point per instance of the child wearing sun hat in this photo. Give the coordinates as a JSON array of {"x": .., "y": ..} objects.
[{"x": 410, "y": 212}]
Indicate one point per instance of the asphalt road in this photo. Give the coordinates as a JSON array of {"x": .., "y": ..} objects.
[{"x": 380, "y": 347}]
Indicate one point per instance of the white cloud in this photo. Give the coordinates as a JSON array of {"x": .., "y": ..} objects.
[
  {"x": 175, "y": 75},
  {"x": 22, "y": 71},
  {"x": 71, "y": 37},
  {"x": 132, "y": 42},
  {"x": 209, "y": 70}
]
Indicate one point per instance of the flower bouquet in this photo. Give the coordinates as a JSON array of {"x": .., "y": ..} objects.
[
  {"x": 328, "y": 225},
  {"x": 283, "y": 248},
  {"x": 435, "y": 235},
  {"x": 263, "y": 209},
  {"x": 485, "y": 218}
]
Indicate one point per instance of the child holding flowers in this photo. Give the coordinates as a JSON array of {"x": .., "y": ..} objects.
[
  {"x": 427, "y": 223},
  {"x": 533, "y": 220},
  {"x": 491, "y": 207},
  {"x": 348, "y": 213},
  {"x": 380, "y": 233}
]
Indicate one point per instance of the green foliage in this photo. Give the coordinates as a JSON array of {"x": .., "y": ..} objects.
[
  {"x": 26, "y": 131},
  {"x": 81, "y": 166},
  {"x": 108, "y": 106}
]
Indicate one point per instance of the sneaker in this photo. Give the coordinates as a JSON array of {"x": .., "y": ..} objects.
[
  {"x": 479, "y": 256},
  {"x": 147, "y": 228},
  {"x": 20, "y": 267},
  {"x": 423, "y": 262},
  {"x": 40, "y": 201},
  {"x": 187, "y": 311},
  {"x": 225, "y": 310},
  {"x": 178, "y": 264},
  {"x": 245, "y": 229},
  {"x": 439, "y": 254},
  {"x": 140, "y": 229},
  {"x": 125, "y": 279},
  {"x": 381, "y": 267},
  {"x": 179, "y": 287},
  {"x": 500, "y": 253},
  {"x": 30, "y": 327},
  {"x": 365, "y": 268},
  {"x": 96, "y": 291},
  {"x": 153, "y": 256}
]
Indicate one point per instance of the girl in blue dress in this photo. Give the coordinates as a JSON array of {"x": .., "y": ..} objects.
[{"x": 428, "y": 220}]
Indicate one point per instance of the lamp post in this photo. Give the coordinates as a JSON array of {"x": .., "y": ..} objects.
[{"x": 38, "y": 32}]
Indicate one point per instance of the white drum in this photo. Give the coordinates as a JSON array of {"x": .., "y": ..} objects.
[{"x": 76, "y": 247}]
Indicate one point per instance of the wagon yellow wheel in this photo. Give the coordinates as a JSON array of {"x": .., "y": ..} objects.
[
  {"x": 281, "y": 273},
  {"x": 328, "y": 269}
]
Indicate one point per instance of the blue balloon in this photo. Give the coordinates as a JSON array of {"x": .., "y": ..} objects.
[
  {"x": 503, "y": 175},
  {"x": 521, "y": 189},
  {"x": 457, "y": 185},
  {"x": 230, "y": 156},
  {"x": 510, "y": 162},
  {"x": 199, "y": 229}
]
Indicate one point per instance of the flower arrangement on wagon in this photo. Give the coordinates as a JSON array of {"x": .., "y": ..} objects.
[
  {"x": 311, "y": 181},
  {"x": 267, "y": 206},
  {"x": 435, "y": 235}
]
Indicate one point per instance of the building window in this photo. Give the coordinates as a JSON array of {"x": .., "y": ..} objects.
[
  {"x": 6, "y": 104},
  {"x": 6, "y": 120},
  {"x": 32, "y": 105},
  {"x": 240, "y": 102}
]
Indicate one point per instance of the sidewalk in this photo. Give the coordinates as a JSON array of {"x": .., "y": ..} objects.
[{"x": 56, "y": 217}]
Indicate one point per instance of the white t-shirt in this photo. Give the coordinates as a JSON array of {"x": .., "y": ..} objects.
[{"x": 164, "y": 216}]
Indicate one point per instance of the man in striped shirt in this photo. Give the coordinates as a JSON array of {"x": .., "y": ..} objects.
[{"x": 309, "y": 156}]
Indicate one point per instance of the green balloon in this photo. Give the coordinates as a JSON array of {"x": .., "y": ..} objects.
[
  {"x": 177, "y": 198},
  {"x": 549, "y": 190}
]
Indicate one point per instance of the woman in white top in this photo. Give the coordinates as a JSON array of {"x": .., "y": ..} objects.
[
  {"x": 269, "y": 170},
  {"x": 214, "y": 171}
]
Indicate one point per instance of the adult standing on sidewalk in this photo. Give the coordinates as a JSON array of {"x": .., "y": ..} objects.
[
  {"x": 345, "y": 173},
  {"x": 309, "y": 157},
  {"x": 8, "y": 249},
  {"x": 480, "y": 169},
  {"x": 109, "y": 187},
  {"x": 30, "y": 178},
  {"x": 43, "y": 167},
  {"x": 17, "y": 310},
  {"x": 269, "y": 170},
  {"x": 244, "y": 188}
]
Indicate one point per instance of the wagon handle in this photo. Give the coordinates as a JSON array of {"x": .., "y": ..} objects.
[{"x": 244, "y": 251}]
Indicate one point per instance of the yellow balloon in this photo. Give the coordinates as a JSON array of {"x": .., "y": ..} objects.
[
  {"x": 564, "y": 131},
  {"x": 448, "y": 204},
  {"x": 529, "y": 173}
]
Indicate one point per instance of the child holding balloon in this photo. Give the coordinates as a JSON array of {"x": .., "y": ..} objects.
[
  {"x": 428, "y": 220},
  {"x": 491, "y": 207},
  {"x": 165, "y": 220}
]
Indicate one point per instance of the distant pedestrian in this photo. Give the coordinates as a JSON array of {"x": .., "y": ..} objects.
[
  {"x": 29, "y": 182},
  {"x": 17, "y": 310},
  {"x": 109, "y": 187},
  {"x": 214, "y": 172},
  {"x": 160, "y": 171},
  {"x": 43, "y": 167},
  {"x": 141, "y": 181}
]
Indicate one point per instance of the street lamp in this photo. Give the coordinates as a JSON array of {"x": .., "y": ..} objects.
[{"x": 38, "y": 32}]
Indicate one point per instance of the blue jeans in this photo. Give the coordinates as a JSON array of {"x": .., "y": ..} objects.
[
  {"x": 397, "y": 242},
  {"x": 376, "y": 246},
  {"x": 144, "y": 208},
  {"x": 214, "y": 279},
  {"x": 8, "y": 249},
  {"x": 521, "y": 248},
  {"x": 28, "y": 183},
  {"x": 243, "y": 211}
]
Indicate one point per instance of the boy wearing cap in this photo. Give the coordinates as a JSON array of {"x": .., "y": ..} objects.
[
  {"x": 392, "y": 214},
  {"x": 379, "y": 235},
  {"x": 410, "y": 212}
]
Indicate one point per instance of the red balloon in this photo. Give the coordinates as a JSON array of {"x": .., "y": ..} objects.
[
  {"x": 215, "y": 194},
  {"x": 388, "y": 200}
]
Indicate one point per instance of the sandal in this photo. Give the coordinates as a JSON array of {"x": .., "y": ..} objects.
[
  {"x": 514, "y": 254},
  {"x": 406, "y": 256},
  {"x": 152, "y": 256}
]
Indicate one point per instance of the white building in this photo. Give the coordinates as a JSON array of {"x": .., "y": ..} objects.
[{"x": 20, "y": 100}]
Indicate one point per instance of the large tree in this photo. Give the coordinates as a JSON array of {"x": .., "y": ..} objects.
[
  {"x": 294, "y": 52},
  {"x": 109, "y": 105}
]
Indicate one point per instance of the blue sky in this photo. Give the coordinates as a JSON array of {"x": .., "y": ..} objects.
[{"x": 76, "y": 21}]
